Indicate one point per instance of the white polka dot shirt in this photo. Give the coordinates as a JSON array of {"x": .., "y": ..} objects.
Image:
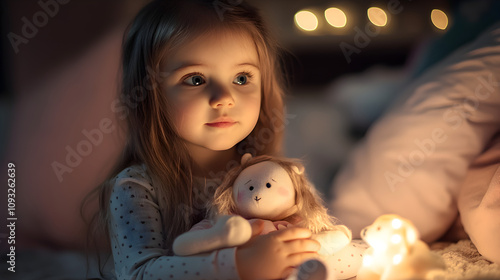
[{"x": 136, "y": 235}]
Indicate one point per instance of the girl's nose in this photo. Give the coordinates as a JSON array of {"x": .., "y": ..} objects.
[{"x": 221, "y": 98}]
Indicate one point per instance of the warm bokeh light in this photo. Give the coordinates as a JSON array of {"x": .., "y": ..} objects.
[
  {"x": 335, "y": 17},
  {"x": 367, "y": 260},
  {"x": 397, "y": 259},
  {"x": 396, "y": 223},
  {"x": 377, "y": 16},
  {"x": 306, "y": 20},
  {"x": 396, "y": 238},
  {"x": 439, "y": 19}
]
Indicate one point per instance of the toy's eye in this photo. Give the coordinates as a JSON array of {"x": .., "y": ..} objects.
[
  {"x": 251, "y": 188},
  {"x": 378, "y": 228},
  {"x": 268, "y": 185}
]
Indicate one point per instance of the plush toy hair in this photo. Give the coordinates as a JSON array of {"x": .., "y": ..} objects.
[{"x": 310, "y": 212}]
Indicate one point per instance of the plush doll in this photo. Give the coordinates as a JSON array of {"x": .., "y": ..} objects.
[
  {"x": 396, "y": 252},
  {"x": 272, "y": 189}
]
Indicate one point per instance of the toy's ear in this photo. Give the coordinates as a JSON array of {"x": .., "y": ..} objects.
[
  {"x": 245, "y": 158},
  {"x": 298, "y": 169},
  {"x": 411, "y": 233}
]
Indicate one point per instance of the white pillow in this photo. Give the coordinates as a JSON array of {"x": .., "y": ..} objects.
[
  {"x": 413, "y": 160},
  {"x": 479, "y": 201}
]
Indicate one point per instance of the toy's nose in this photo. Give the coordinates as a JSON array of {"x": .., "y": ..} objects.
[{"x": 257, "y": 198}]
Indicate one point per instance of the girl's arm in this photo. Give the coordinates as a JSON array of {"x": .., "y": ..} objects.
[{"x": 136, "y": 235}]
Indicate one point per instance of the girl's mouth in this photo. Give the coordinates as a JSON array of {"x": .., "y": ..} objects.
[{"x": 222, "y": 124}]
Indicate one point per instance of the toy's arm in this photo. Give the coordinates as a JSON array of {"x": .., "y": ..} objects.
[
  {"x": 332, "y": 241},
  {"x": 228, "y": 231}
]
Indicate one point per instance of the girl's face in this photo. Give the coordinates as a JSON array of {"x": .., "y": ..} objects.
[{"x": 213, "y": 84}]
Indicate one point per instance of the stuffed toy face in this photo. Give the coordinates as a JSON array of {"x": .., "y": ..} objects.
[{"x": 264, "y": 190}]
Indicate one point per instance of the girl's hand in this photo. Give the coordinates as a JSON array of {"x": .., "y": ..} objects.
[{"x": 273, "y": 256}]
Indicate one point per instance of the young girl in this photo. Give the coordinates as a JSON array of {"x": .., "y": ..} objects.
[{"x": 201, "y": 86}]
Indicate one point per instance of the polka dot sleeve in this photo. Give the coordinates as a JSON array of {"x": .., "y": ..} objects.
[{"x": 136, "y": 235}]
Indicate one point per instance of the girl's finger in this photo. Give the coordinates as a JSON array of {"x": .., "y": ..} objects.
[
  {"x": 292, "y": 233},
  {"x": 257, "y": 227},
  {"x": 302, "y": 246}
]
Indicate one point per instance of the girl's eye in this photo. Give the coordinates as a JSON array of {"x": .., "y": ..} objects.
[
  {"x": 194, "y": 80},
  {"x": 241, "y": 79}
]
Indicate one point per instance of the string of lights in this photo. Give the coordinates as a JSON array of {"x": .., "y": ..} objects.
[{"x": 309, "y": 19}]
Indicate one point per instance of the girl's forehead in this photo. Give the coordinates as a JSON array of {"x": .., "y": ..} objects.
[{"x": 221, "y": 45}]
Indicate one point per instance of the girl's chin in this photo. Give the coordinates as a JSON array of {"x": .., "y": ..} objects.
[
  {"x": 215, "y": 146},
  {"x": 221, "y": 146}
]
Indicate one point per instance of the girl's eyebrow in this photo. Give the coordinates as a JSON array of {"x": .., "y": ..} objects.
[
  {"x": 192, "y": 64},
  {"x": 248, "y": 181},
  {"x": 188, "y": 64},
  {"x": 248, "y": 64}
]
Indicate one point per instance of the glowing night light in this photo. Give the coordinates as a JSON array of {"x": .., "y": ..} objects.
[
  {"x": 335, "y": 17},
  {"x": 396, "y": 223},
  {"x": 396, "y": 238},
  {"x": 367, "y": 260},
  {"x": 396, "y": 252},
  {"x": 306, "y": 20},
  {"x": 397, "y": 259},
  {"x": 439, "y": 19},
  {"x": 380, "y": 246},
  {"x": 377, "y": 16}
]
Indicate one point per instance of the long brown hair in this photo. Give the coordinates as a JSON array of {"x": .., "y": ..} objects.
[
  {"x": 159, "y": 27},
  {"x": 310, "y": 210}
]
